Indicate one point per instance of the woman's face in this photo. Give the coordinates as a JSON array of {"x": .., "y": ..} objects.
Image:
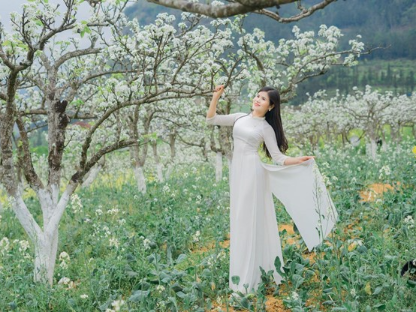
[{"x": 261, "y": 104}]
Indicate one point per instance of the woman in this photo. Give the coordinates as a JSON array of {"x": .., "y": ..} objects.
[{"x": 254, "y": 236}]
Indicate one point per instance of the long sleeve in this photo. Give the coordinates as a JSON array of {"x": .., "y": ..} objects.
[
  {"x": 269, "y": 138},
  {"x": 224, "y": 120}
]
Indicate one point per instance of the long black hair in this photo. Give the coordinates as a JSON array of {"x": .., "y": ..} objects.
[{"x": 274, "y": 120}]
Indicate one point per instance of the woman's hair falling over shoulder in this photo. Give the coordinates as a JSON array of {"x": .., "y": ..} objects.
[{"x": 275, "y": 120}]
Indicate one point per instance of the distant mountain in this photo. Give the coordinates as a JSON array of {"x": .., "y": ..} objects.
[{"x": 380, "y": 22}]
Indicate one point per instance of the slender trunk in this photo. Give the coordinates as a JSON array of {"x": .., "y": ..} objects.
[
  {"x": 141, "y": 181},
  {"x": 1, "y": 205},
  {"x": 205, "y": 148},
  {"x": 138, "y": 164},
  {"x": 395, "y": 134},
  {"x": 218, "y": 167},
  {"x": 344, "y": 138},
  {"x": 384, "y": 143},
  {"x": 169, "y": 170},
  {"x": 92, "y": 175},
  {"x": 159, "y": 171},
  {"x": 172, "y": 144},
  {"x": 229, "y": 161},
  {"x": 159, "y": 166},
  {"x": 372, "y": 148}
]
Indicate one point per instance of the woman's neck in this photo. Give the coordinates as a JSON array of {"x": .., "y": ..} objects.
[{"x": 256, "y": 114}]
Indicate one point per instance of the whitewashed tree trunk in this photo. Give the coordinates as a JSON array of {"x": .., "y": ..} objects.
[
  {"x": 159, "y": 170},
  {"x": 218, "y": 167},
  {"x": 384, "y": 143},
  {"x": 138, "y": 162},
  {"x": 169, "y": 171},
  {"x": 384, "y": 146},
  {"x": 45, "y": 258},
  {"x": 159, "y": 166},
  {"x": 372, "y": 149},
  {"x": 45, "y": 240},
  {"x": 141, "y": 181},
  {"x": 172, "y": 145},
  {"x": 92, "y": 175}
]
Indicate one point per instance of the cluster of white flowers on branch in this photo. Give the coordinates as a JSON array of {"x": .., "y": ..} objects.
[
  {"x": 370, "y": 111},
  {"x": 134, "y": 87}
]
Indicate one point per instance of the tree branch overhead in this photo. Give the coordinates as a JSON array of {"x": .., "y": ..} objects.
[{"x": 238, "y": 7}]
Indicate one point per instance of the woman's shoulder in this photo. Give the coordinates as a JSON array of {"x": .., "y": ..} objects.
[
  {"x": 240, "y": 114},
  {"x": 266, "y": 126}
]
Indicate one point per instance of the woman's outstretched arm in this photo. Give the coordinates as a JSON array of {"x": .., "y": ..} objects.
[
  {"x": 281, "y": 159},
  {"x": 218, "y": 91},
  {"x": 297, "y": 160},
  {"x": 220, "y": 120}
]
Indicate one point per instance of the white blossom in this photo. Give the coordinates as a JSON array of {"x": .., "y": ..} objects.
[{"x": 409, "y": 222}]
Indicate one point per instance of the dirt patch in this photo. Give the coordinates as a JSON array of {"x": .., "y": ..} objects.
[
  {"x": 273, "y": 304},
  {"x": 375, "y": 191},
  {"x": 287, "y": 227}
]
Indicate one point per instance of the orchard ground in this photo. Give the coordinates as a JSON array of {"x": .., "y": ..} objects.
[{"x": 168, "y": 250}]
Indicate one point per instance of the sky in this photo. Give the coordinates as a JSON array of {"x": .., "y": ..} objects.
[{"x": 8, "y": 6}]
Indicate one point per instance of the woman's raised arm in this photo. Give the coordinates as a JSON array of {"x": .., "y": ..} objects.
[
  {"x": 220, "y": 120},
  {"x": 218, "y": 91}
]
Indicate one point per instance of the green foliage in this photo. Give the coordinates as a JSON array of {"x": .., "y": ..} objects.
[{"x": 163, "y": 251}]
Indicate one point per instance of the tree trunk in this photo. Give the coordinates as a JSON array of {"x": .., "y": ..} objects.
[
  {"x": 141, "y": 181},
  {"x": 372, "y": 148},
  {"x": 92, "y": 175},
  {"x": 172, "y": 144},
  {"x": 159, "y": 170},
  {"x": 218, "y": 167},
  {"x": 138, "y": 164},
  {"x": 45, "y": 258},
  {"x": 159, "y": 166},
  {"x": 384, "y": 143},
  {"x": 169, "y": 170},
  {"x": 45, "y": 240}
]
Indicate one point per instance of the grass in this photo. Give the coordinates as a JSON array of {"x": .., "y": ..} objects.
[{"x": 167, "y": 250}]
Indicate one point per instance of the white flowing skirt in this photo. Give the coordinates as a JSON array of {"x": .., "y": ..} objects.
[{"x": 254, "y": 235}]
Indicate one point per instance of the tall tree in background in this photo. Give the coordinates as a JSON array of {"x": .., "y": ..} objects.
[{"x": 65, "y": 80}]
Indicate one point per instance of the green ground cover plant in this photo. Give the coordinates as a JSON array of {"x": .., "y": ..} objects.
[{"x": 167, "y": 250}]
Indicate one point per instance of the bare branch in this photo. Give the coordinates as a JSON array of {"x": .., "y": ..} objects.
[
  {"x": 304, "y": 12},
  {"x": 76, "y": 53},
  {"x": 3, "y": 96},
  {"x": 44, "y": 112},
  {"x": 238, "y": 7},
  {"x": 78, "y": 176},
  {"x": 206, "y": 9},
  {"x": 29, "y": 171}
]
